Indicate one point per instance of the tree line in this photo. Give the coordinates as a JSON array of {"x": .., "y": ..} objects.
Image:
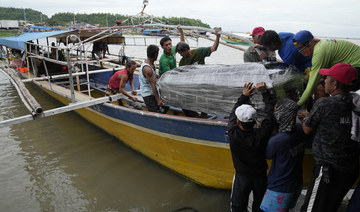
[{"x": 103, "y": 19}]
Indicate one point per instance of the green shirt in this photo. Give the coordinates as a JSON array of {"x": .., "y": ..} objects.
[
  {"x": 197, "y": 56},
  {"x": 166, "y": 62},
  {"x": 326, "y": 54}
]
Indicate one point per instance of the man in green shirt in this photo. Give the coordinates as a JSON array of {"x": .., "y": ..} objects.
[
  {"x": 168, "y": 60},
  {"x": 196, "y": 56},
  {"x": 325, "y": 54}
]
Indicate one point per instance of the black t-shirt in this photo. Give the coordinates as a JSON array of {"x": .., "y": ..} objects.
[
  {"x": 248, "y": 147},
  {"x": 332, "y": 144}
]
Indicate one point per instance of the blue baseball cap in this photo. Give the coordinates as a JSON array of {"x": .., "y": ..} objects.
[{"x": 303, "y": 36}]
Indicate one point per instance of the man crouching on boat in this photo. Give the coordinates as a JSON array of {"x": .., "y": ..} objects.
[
  {"x": 248, "y": 140},
  {"x": 118, "y": 81},
  {"x": 147, "y": 79}
]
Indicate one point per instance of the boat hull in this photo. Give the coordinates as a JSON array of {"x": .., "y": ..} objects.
[
  {"x": 182, "y": 146},
  {"x": 194, "y": 148}
]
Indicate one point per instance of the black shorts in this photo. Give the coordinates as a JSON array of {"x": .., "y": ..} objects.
[{"x": 152, "y": 106}]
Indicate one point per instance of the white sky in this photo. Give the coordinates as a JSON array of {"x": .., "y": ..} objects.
[{"x": 329, "y": 18}]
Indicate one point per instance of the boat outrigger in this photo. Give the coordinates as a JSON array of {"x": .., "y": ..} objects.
[{"x": 196, "y": 148}]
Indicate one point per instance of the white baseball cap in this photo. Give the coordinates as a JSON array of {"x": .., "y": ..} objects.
[{"x": 245, "y": 113}]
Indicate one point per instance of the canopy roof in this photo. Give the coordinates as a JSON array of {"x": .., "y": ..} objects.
[
  {"x": 18, "y": 42},
  {"x": 85, "y": 34}
]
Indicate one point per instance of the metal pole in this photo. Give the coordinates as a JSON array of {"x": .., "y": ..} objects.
[
  {"x": 47, "y": 74},
  {"x": 70, "y": 76}
]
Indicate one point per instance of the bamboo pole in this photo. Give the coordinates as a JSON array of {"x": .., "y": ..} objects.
[
  {"x": 35, "y": 106},
  {"x": 67, "y": 108}
]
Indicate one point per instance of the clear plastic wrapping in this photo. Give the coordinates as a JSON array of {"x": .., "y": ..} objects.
[{"x": 215, "y": 88}]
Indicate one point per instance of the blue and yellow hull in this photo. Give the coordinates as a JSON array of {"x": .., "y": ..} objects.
[
  {"x": 197, "y": 149},
  {"x": 194, "y": 148}
]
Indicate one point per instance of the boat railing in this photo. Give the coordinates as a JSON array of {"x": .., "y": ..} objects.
[{"x": 72, "y": 64}]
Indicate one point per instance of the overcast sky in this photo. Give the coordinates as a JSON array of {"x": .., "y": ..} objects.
[{"x": 331, "y": 18}]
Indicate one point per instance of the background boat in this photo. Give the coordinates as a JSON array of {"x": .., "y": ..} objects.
[{"x": 236, "y": 41}]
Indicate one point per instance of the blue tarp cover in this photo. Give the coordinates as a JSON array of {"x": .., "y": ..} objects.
[
  {"x": 146, "y": 31},
  {"x": 18, "y": 42},
  {"x": 40, "y": 27}
]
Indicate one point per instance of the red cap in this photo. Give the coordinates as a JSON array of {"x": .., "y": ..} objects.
[
  {"x": 342, "y": 72},
  {"x": 258, "y": 31}
]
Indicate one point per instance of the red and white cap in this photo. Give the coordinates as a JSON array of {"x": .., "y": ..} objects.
[
  {"x": 342, "y": 72},
  {"x": 258, "y": 31}
]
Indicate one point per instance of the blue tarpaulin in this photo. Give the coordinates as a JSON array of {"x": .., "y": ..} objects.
[
  {"x": 18, "y": 42},
  {"x": 40, "y": 28}
]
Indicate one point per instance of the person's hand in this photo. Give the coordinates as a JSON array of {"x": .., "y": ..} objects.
[
  {"x": 133, "y": 98},
  {"x": 262, "y": 55},
  {"x": 217, "y": 30},
  {"x": 303, "y": 114},
  {"x": 261, "y": 87},
  {"x": 133, "y": 92},
  {"x": 248, "y": 89},
  {"x": 258, "y": 46},
  {"x": 160, "y": 103}
]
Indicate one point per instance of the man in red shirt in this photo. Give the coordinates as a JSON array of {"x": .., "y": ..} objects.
[{"x": 118, "y": 81}]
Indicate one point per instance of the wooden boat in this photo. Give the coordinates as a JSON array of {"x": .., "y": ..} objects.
[
  {"x": 195, "y": 148},
  {"x": 156, "y": 32},
  {"x": 236, "y": 41}
]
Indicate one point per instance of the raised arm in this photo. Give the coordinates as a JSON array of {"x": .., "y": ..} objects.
[
  {"x": 217, "y": 40},
  {"x": 181, "y": 31}
]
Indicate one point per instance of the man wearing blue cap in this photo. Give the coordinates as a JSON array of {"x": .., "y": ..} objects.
[{"x": 325, "y": 54}]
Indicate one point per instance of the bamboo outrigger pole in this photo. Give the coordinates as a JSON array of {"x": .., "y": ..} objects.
[
  {"x": 70, "y": 107},
  {"x": 35, "y": 107}
]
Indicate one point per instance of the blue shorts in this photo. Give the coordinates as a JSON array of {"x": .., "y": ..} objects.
[{"x": 278, "y": 201}]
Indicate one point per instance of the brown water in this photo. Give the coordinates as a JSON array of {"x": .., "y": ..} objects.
[{"x": 64, "y": 163}]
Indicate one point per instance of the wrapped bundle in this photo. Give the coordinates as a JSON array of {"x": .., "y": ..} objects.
[{"x": 215, "y": 88}]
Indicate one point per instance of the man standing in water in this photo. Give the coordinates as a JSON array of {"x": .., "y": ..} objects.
[
  {"x": 168, "y": 60},
  {"x": 247, "y": 145},
  {"x": 147, "y": 79}
]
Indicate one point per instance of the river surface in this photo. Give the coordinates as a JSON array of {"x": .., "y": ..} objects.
[{"x": 64, "y": 163}]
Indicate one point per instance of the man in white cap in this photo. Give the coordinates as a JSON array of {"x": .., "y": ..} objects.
[{"x": 248, "y": 140}]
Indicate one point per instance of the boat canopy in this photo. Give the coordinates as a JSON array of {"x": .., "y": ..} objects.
[
  {"x": 18, "y": 42},
  {"x": 86, "y": 34},
  {"x": 155, "y": 32}
]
